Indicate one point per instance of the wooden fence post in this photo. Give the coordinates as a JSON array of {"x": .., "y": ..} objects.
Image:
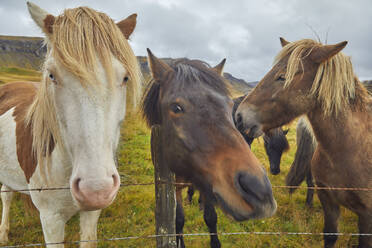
[{"x": 165, "y": 200}]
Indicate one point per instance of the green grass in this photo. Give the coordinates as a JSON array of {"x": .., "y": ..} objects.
[
  {"x": 19, "y": 72},
  {"x": 9, "y": 37},
  {"x": 132, "y": 213},
  {"x": 13, "y": 74}
]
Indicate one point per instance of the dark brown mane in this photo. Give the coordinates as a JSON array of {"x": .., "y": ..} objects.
[
  {"x": 186, "y": 71},
  {"x": 149, "y": 105}
]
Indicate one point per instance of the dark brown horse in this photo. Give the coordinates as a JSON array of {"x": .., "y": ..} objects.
[
  {"x": 318, "y": 81},
  {"x": 275, "y": 143},
  {"x": 190, "y": 101}
]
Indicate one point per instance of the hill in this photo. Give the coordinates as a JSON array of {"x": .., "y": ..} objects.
[
  {"x": 29, "y": 52},
  {"x": 23, "y": 52},
  {"x": 368, "y": 85},
  {"x": 12, "y": 74},
  {"x": 237, "y": 86}
]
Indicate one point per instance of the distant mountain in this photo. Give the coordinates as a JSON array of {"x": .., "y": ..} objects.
[
  {"x": 368, "y": 85},
  {"x": 29, "y": 52},
  {"x": 240, "y": 84},
  {"x": 23, "y": 52}
]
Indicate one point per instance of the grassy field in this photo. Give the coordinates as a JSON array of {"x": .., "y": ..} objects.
[
  {"x": 12, "y": 74},
  {"x": 132, "y": 213}
]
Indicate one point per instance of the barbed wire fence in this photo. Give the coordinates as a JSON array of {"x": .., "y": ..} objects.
[
  {"x": 189, "y": 235},
  {"x": 165, "y": 208},
  {"x": 125, "y": 185},
  {"x": 190, "y": 184}
]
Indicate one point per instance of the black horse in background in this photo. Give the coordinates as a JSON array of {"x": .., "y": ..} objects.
[{"x": 301, "y": 166}]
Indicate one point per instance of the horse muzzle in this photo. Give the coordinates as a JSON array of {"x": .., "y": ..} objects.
[
  {"x": 94, "y": 194},
  {"x": 246, "y": 122}
]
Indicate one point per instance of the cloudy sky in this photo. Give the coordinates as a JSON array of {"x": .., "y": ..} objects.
[{"x": 246, "y": 32}]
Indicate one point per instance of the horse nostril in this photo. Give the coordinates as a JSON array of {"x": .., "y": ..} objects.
[
  {"x": 115, "y": 179},
  {"x": 239, "y": 118},
  {"x": 252, "y": 186},
  {"x": 253, "y": 130},
  {"x": 75, "y": 185},
  {"x": 248, "y": 184}
]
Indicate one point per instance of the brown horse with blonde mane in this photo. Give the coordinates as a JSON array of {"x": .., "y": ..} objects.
[{"x": 318, "y": 80}]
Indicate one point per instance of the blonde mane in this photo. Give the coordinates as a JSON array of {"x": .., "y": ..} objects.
[
  {"x": 80, "y": 37},
  {"x": 334, "y": 85}
]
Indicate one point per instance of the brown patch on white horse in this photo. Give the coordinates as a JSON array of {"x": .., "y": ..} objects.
[{"x": 19, "y": 96}]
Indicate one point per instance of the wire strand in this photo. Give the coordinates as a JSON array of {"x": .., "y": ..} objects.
[
  {"x": 190, "y": 235},
  {"x": 190, "y": 184}
]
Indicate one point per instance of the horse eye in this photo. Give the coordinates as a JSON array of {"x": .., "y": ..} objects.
[
  {"x": 51, "y": 76},
  {"x": 125, "y": 79},
  {"x": 176, "y": 108},
  {"x": 281, "y": 78}
]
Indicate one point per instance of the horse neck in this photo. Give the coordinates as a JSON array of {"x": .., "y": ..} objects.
[{"x": 341, "y": 133}]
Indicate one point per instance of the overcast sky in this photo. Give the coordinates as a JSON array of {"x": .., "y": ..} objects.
[{"x": 245, "y": 32}]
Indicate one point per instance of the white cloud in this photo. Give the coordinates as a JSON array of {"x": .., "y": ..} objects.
[{"x": 245, "y": 32}]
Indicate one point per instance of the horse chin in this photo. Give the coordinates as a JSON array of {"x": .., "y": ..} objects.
[
  {"x": 254, "y": 132},
  {"x": 228, "y": 210},
  {"x": 256, "y": 213}
]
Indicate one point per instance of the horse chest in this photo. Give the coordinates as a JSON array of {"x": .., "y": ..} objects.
[
  {"x": 342, "y": 174},
  {"x": 332, "y": 172}
]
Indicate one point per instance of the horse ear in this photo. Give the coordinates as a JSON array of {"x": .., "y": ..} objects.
[
  {"x": 219, "y": 68},
  {"x": 158, "y": 68},
  {"x": 325, "y": 52},
  {"x": 127, "y": 25},
  {"x": 285, "y": 132},
  {"x": 42, "y": 18},
  {"x": 283, "y": 41}
]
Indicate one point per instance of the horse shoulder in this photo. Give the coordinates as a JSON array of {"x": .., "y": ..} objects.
[{"x": 19, "y": 96}]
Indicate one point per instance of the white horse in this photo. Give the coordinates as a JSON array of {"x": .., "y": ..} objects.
[{"x": 64, "y": 131}]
